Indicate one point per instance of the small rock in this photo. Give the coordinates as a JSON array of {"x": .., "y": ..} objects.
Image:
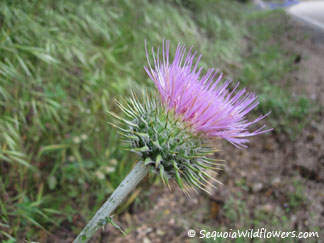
[
  {"x": 148, "y": 230},
  {"x": 146, "y": 240},
  {"x": 267, "y": 208},
  {"x": 160, "y": 232},
  {"x": 276, "y": 181},
  {"x": 172, "y": 221},
  {"x": 257, "y": 187},
  {"x": 243, "y": 173}
]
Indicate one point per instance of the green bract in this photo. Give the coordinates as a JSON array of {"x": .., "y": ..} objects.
[{"x": 168, "y": 146}]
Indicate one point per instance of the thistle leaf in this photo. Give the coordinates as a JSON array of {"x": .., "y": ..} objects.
[{"x": 158, "y": 160}]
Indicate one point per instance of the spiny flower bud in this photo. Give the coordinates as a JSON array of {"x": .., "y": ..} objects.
[{"x": 170, "y": 147}]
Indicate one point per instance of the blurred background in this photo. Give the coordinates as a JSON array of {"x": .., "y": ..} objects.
[{"x": 62, "y": 64}]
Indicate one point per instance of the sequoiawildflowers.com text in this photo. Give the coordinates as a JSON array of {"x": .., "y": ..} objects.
[{"x": 251, "y": 233}]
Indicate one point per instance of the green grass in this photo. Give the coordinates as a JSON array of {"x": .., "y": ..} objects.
[
  {"x": 62, "y": 63},
  {"x": 266, "y": 68}
]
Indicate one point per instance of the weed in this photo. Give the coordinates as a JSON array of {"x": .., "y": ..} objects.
[{"x": 297, "y": 197}]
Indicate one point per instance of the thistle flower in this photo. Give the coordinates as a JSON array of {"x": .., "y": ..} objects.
[
  {"x": 203, "y": 101},
  {"x": 171, "y": 133}
]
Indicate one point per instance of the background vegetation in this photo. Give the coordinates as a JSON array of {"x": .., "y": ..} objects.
[{"x": 62, "y": 63}]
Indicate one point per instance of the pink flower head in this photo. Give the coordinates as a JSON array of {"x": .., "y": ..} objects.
[{"x": 203, "y": 101}]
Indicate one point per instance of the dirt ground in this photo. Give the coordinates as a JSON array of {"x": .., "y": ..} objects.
[{"x": 276, "y": 183}]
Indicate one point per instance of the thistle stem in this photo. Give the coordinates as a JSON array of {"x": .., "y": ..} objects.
[{"x": 126, "y": 186}]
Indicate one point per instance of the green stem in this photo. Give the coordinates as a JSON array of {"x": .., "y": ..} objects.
[{"x": 128, "y": 184}]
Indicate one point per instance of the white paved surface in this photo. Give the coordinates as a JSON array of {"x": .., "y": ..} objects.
[{"x": 310, "y": 12}]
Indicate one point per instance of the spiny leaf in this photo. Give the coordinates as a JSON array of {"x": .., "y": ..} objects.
[
  {"x": 148, "y": 160},
  {"x": 142, "y": 149},
  {"x": 158, "y": 160}
]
